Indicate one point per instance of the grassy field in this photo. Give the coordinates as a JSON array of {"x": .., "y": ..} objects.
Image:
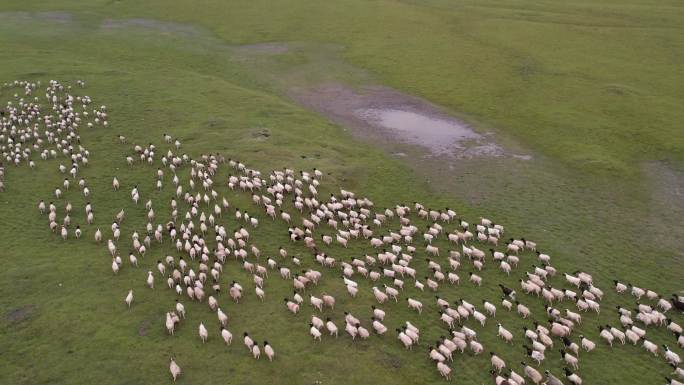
[{"x": 593, "y": 89}]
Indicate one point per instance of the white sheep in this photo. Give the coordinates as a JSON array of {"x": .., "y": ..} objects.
[
  {"x": 203, "y": 333},
  {"x": 174, "y": 369},
  {"x": 415, "y": 305},
  {"x": 129, "y": 298}
]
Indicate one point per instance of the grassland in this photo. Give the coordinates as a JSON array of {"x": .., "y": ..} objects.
[{"x": 592, "y": 88}]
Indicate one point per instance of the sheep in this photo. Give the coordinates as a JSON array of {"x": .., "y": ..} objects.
[
  {"x": 445, "y": 350},
  {"x": 536, "y": 355},
  {"x": 432, "y": 250},
  {"x": 391, "y": 292},
  {"x": 444, "y": 370},
  {"x": 378, "y": 326},
  {"x": 606, "y": 335},
  {"x": 222, "y": 317},
  {"x": 270, "y": 353},
  {"x": 543, "y": 258},
  {"x": 651, "y": 347},
  {"x": 475, "y": 347},
  {"x": 532, "y": 374},
  {"x": 150, "y": 280},
  {"x": 505, "y": 334},
  {"x": 331, "y": 327},
  {"x": 226, "y": 335},
  {"x": 572, "y": 377},
  {"x": 476, "y": 279},
  {"x": 522, "y": 310},
  {"x": 129, "y": 298},
  {"x": 436, "y": 355},
  {"x": 559, "y": 330},
  {"x": 569, "y": 359},
  {"x": 671, "y": 357},
  {"x": 411, "y": 331},
  {"x": 203, "y": 333},
  {"x": 636, "y": 291},
  {"x": 293, "y": 307},
  {"x": 249, "y": 343},
  {"x": 415, "y": 305},
  {"x": 170, "y": 324},
  {"x": 235, "y": 292},
  {"x": 256, "y": 352},
  {"x": 673, "y": 327},
  {"x": 379, "y": 295},
  {"x": 174, "y": 369},
  {"x": 329, "y": 301},
  {"x": 352, "y": 330},
  {"x": 497, "y": 362},
  {"x": 574, "y": 317},
  {"x": 617, "y": 334},
  {"x": 479, "y": 317}
]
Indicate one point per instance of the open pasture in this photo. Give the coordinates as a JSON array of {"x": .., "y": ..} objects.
[{"x": 571, "y": 140}]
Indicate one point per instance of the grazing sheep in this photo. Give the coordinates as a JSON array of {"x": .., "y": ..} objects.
[
  {"x": 150, "y": 280},
  {"x": 415, "y": 305},
  {"x": 256, "y": 352},
  {"x": 444, "y": 370},
  {"x": 572, "y": 377},
  {"x": 505, "y": 334},
  {"x": 671, "y": 357},
  {"x": 476, "y": 279},
  {"x": 174, "y": 369},
  {"x": 532, "y": 374},
  {"x": 497, "y": 362},
  {"x": 476, "y": 347},
  {"x": 226, "y": 335},
  {"x": 203, "y": 333},
  {"x": 651, "y": 347},
  {"x": 522, "y": 310},
  {"x": 606, "y": 335},
  {"x": 405, "y": 339},
  {"x": 129, "y": 298},
  {"x": 270, "y": 353},
  {"x": 569, "y": 359}
]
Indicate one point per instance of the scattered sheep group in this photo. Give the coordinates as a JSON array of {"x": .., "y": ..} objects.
[{"x": 196, "y": 227}]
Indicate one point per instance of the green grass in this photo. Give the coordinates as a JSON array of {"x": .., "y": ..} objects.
[{"x": 592, "y": 88}]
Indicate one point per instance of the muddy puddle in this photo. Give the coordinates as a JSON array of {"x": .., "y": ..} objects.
[
  {"x": 392, "y": 119},
  {"x": 439, "y": 135}
]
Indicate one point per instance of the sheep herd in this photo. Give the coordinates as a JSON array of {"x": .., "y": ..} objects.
[{"x": 399, "y": 242}]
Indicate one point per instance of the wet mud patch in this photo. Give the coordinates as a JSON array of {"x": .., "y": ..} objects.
[
  {"x": 260, "y": 134},
  {"x": 666, "y": 207},
  {"x": 263, "y": 48},
  {"x": 21, "y": 313},
  {"x": 194, "y": 34},
  {"x": 54, "y": 17},
  {"x": 391, "y": 361},
  {"x": 164, "y": 27},
  {"x": 380, "y": 114},
  {"x": 144, "y": 326}
]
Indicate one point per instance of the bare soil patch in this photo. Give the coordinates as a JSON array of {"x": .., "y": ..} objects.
[
  {"x": 21, "y": 313},
  {"x": 144, "y": 326}
]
